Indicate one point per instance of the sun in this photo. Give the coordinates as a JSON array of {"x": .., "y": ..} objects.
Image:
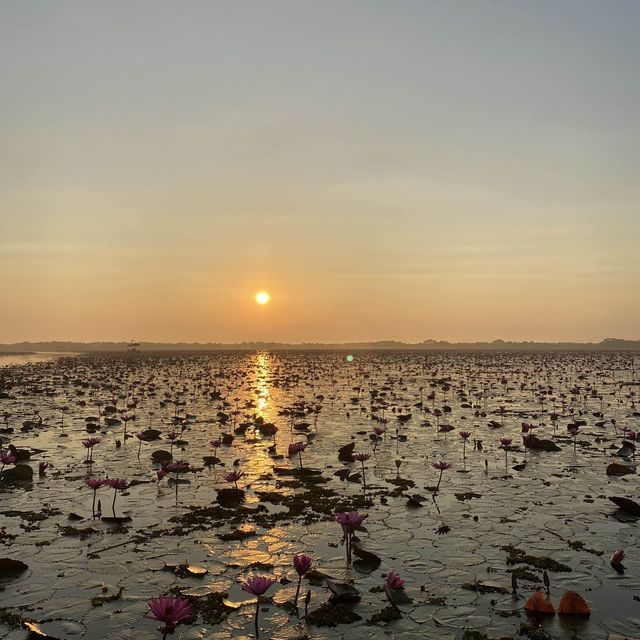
[{"x": 262, "y": 297}]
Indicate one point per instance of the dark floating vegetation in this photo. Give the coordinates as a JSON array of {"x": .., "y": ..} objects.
[{"x": 459, "y": 496}]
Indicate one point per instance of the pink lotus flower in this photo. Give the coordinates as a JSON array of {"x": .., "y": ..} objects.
[
  {"x": 95, "y": 484},
  {"x": 465, "y": 435},
  {"x": 142, "y": 437},
  {"x": 233, "y": 476},
  {"x": 161, "y": 473},
  {"x": 302, "y": 563},
  {"x": 617, "y": 558},
  {"x": 504, "y": 443},
  {"x": 170, "y": 610},
  {"x": 89, "y": 443},
  {"x": 216, "y": 444},
  {"x": 349, "y": 521},
  {"x": 172, "y": 436},
  {"x": 126, "y": 419},
  {"x": 117, "y": 484},
  {"x": 177, "y": 467},
  {"x": 257, "y": 586},
  {"x": 378, "y": 432},
  {"x": 442, "y": 467},
  {"x": 6, "y": 458},
  {"x": 362, "y": 458},
  {"x": 296, "y": 447},
  {"x": 394, "y": 581}
]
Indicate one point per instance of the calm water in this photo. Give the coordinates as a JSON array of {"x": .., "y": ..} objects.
[
  {"x": 552, "y": 505},
  {"x": 12, "y": 359}
]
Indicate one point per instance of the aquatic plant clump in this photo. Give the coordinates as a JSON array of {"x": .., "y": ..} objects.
[{"x": 343, "y": 536}]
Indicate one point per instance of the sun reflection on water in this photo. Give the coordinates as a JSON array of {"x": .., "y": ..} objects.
[{"x": 262, "y": 375}]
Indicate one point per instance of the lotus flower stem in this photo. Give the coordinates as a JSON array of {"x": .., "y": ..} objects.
[
  {"x": 295, "y": 600},
  {"x": 439, "y": 481},
  {"x": 256, "y": 619}
]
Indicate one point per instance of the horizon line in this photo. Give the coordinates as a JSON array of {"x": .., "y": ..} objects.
[{"x": 428, "y": 344}]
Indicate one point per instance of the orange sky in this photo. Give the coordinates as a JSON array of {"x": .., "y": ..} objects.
[{"x": 459, "y": 171}]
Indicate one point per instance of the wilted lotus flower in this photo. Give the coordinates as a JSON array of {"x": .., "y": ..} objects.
[
  {"x": 170, "y": 610},
  {"x": 42, "y": 468},
  {"x": 394, "y": 581},
  {"x": 617, "y": 558},
  {"x": 298, "y": 447}
]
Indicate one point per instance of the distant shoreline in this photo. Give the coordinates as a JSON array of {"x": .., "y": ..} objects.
[
  {"x": 7, "y": 352},
  {"x": 608, "y": 344}
]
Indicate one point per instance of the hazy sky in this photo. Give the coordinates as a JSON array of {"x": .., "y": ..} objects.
[{"x": 386, "y": 170}]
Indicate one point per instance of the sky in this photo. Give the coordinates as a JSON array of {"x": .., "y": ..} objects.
[{"x": 410, "y": 170}]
